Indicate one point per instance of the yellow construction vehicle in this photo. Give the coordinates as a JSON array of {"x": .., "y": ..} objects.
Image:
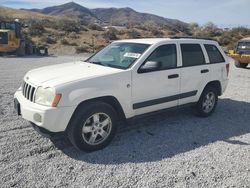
[
  {"x": 242, "y": 53},
  {"x": 12, "y": 40}
]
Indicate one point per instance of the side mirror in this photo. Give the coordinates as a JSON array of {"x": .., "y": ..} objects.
[{"x": 150, "y": 66}]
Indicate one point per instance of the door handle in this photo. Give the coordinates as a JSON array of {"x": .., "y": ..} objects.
[
  {"x": 173, "y": 76},
  {"x": 204, "y": 71}
]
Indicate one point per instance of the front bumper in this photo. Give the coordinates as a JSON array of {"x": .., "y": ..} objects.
[{"x": 49, "y": 118}]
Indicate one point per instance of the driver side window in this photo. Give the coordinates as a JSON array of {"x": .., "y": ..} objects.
[{"x": 165, "y": 55}]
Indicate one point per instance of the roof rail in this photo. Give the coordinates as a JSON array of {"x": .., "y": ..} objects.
[{"x": 188, "y": 37}]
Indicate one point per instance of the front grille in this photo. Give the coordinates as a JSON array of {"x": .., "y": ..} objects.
[
  {"x": 3, "y": 38},
  {"x": 28, "y": 92}
]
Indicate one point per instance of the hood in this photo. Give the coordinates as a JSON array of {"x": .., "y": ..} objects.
[{"x": 56, "y": 75}]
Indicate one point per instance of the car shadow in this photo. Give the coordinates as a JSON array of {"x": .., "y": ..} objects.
[{"x": 167, "y": 134}]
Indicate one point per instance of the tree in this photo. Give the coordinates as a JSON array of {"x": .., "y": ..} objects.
[
  {"x": 210, "y": 25},
  {"x": 194, "y": 26}
]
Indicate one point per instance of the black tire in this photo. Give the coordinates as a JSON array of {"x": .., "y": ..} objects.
[
  {"x": 240, "y": 65},
  {"x": 80, "y": 118},
  {"x": 21, "y": 50},
  {"x": 201, "y": 110},
  {"x": 29, "y": 49}
]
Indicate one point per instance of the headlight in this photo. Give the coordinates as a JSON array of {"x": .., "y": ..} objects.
[{"x": 47, "y": 97}]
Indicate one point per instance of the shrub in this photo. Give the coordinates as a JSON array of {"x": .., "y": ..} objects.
[
  {"x": 171, "y": 33},
  {"x": 224, "y": 41},
  {"x": 51, "y": 40},
  {"x": 73, "y": 35},
  {"x": 110, "y": 35},
  {"x": 121, "y": 32},
  {"x": 156, "y": 32},
  {"x": 73, "y": 44},
  {"x": 68, "y": 26},
  {"x": 95, "y": 27},
  {"x": 82, "y": 49},
  {"x": 114, "y": 30},
  {"x": 64, "y": 42},
  {"x": 36, "y": 29},
  {"x": 184, "y": 29},
  {"x": 99, "y": 47},
  {"x": 134, "y": 34},
  {"x": 141, "y": 27}
]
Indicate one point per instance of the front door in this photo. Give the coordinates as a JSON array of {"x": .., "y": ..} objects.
[{"x": 157, "y": 89}]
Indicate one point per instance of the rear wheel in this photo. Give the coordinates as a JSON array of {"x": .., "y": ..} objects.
[
  {"x": 93, "y": 126},
  {"x": 240, "y": 65},
  {"x": 207, "y": 102}
]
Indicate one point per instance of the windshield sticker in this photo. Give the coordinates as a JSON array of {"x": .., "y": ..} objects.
[{"x": 133, "y": 55}]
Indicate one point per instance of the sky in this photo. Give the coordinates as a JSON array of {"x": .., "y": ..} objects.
[{"x": 224, "y": 13}]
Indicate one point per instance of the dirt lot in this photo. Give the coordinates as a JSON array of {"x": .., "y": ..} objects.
[{"x": 171, "y": 149}]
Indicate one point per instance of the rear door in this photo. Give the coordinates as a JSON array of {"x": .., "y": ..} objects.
[{"x": 195, "y": 72}]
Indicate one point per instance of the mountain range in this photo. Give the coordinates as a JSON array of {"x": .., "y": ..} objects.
[{"x": 109, "y": 16}]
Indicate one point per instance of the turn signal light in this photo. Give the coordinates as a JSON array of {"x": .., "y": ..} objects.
[{"x": 56, "y": 100}]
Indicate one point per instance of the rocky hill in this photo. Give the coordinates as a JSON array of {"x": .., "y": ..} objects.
[
  {"x": 125, "y": 16},
  {"x": 71, "y": 10},
  {"x": 113, "y": 16}
]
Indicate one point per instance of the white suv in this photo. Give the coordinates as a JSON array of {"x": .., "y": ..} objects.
[{"x": 127, "y": 78}]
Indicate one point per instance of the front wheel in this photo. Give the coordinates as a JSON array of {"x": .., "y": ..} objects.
[
  {"x": 93, "y": 126},
  {"x": 207, "y": 102}
]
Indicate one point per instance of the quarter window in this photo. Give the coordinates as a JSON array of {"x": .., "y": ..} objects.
[
  {"x": 166, "y": 55},
  {"x": 192, "y": 55},
  {"x": 214, "y": 54}
]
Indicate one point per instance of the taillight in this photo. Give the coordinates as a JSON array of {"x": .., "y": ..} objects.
[{"x": 227, "y": 67}]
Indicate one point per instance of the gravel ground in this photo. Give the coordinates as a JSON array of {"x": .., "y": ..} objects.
[{"x": 171, "y": 149}]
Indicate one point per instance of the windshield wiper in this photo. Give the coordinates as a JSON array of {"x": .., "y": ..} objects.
[
  {"x": 116, "y": 66},
  {"x": 97, "y": 63}
]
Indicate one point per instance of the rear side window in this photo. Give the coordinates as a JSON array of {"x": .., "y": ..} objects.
[
  {"x": 192, "y": 55},
  {"x": 214, "y": 54},
  {"x": 166, "y": 55}
]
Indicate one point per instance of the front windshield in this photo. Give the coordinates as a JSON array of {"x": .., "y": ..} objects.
[
  {"x": 244, "y": 46},
  {"x": 119, "y": 55}
]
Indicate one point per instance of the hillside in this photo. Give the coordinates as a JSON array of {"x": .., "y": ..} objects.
[
  {"x": 72, "y": 10},
  {"x": 11, "y": 13},
  {"x": 115, "y": 16},
  {"x": 125, "y": 16}
]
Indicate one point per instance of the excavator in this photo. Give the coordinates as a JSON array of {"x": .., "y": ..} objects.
[{"x": 13, "y": 41}]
